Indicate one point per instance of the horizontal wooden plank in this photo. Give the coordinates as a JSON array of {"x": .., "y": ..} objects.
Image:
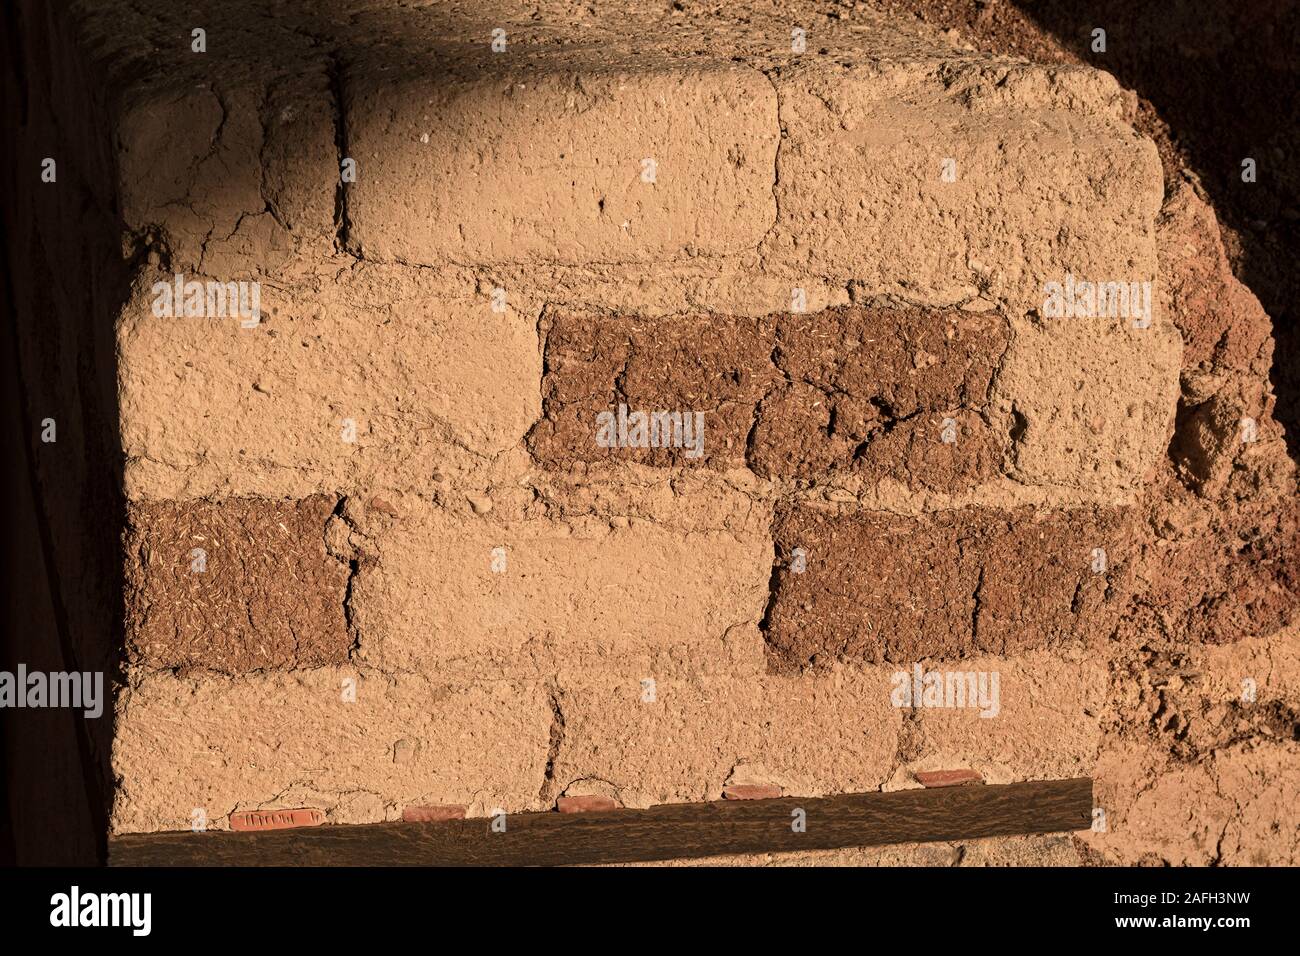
[{"x": 660, "y": 833}]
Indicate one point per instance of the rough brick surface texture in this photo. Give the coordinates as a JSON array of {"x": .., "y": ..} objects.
[
  {"x": 867, "y": 390},
  {"x": 394, "y": 548},
  {"x": 889, "y": 588},
  {"x": 238, "y": 586}
]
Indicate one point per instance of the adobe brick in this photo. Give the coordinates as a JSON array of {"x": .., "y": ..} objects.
[
  {"x": 883, "y": 392},
  {"x": 234, "y": 586},
  {"x": 883, "y": 587}
]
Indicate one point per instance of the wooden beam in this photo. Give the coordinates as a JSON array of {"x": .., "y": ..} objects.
[{"x": 665, "y": 832}]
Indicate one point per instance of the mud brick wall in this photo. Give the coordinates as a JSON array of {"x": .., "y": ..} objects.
[{"x": 373, "y": 556}]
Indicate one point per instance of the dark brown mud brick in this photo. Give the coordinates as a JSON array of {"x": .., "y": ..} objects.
[
  {"x": 878, "y": 587},
  {"x": 716, "y": 365},
  {"x": 886, "y": 393},
  {"x": 235, "y": 585},
  {"x": 892, "y": 393}
]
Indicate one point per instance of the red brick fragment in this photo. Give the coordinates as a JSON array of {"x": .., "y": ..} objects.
[
  {"x": 383, "y": 506},
  {"x": 276, "y": 819},
  {"x": 947, "y": 778},
  {"x": 751, "y": 791},
  {"x": 434, "y": 814},
  {"x": 586, "y": 804}
]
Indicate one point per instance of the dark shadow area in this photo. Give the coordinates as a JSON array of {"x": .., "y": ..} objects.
[{"x": 66, "y": 281}]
